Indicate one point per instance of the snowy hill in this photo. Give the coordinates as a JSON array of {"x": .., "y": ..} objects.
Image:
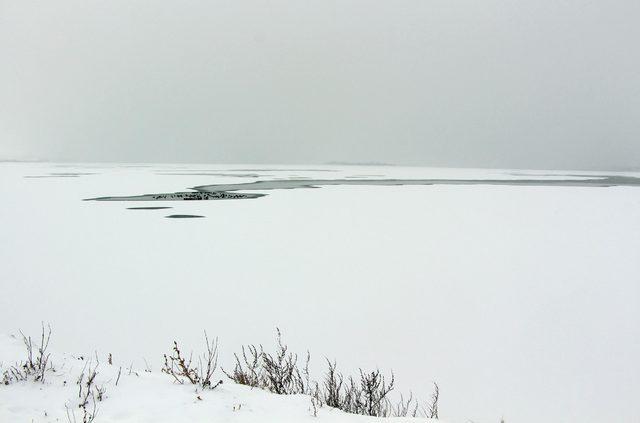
[{"x": 122, "y": 394}]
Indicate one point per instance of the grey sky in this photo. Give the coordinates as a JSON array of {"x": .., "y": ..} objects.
[{"x": 494, "y": 83}]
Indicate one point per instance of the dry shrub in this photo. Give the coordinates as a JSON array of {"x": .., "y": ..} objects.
[
  {"x": 181, "y": 368},
  {"x": 36, "y": 364},
  {"x": 277, "y": 372},
  {"x": 367, "y": 394}
]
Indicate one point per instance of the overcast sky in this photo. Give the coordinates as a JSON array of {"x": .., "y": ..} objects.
[{"x": 492, "y": 83}]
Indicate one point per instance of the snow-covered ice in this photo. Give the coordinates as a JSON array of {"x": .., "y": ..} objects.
[{"x": 519, "y": 301}]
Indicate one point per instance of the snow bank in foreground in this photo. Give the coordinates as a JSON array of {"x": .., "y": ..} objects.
[{"x": 146, "y": 396}]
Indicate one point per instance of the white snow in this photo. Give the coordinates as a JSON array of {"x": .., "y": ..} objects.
[
  {"x": 141, "y": 397},
  {"x": 520, "y": 302}
]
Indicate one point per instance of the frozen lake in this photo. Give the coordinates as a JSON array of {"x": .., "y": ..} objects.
[{"x": 521, "y": 297}]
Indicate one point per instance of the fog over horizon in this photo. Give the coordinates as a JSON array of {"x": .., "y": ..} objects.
[{"x": 506, "y": 84}]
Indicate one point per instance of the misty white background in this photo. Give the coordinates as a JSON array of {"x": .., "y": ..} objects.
[{"x": 495, "y": 83}]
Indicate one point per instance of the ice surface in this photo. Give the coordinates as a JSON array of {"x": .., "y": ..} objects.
[{"x": 520, "y": 301}]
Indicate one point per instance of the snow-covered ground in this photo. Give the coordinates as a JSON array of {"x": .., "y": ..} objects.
[
  {"x": 138, "y": 396},
  {"x": 519, "y": 301}
]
